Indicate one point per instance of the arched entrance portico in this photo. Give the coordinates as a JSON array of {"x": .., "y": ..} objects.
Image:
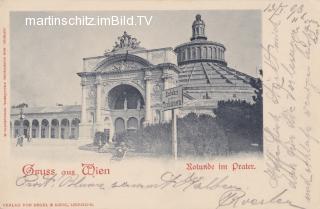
[{"x": 127, "y": 107}]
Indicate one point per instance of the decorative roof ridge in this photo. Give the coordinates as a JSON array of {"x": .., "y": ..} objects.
[
  {"x": 201, "y": 42},
  {"x": 38, "y": 109}
]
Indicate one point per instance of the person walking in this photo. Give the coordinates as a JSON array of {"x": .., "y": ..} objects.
[{"x": 20, "y": 139}]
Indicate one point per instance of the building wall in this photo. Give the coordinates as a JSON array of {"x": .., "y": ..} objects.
[{"x": 46, "y": 125}]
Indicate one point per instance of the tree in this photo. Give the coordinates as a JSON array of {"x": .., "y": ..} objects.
[
  {"x": 21, "y": 105},
  {"x": 242, "y": 120}
]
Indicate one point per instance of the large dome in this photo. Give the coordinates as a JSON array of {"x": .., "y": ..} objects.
[{"x": 204, "y": 73}]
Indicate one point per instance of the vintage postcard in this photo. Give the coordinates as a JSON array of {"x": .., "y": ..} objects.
[{"x": 159, "y": 104}]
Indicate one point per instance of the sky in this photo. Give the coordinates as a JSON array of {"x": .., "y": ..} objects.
[{"x": 45, "y": 59}]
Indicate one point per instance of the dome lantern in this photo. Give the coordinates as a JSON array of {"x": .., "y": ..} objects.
[
  {"x": 198, "y": 29},
  {"x": 199, "y": 49}
]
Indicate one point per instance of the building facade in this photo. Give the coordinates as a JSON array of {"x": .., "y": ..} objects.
[
  {"x": 121, "y": 90},
  {"x": 59, "y": 122}
]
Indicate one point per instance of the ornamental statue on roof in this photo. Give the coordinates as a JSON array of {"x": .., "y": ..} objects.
[{"x": 126, "y": 41}]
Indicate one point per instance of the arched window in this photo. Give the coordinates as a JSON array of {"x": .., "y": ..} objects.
[
  {"x": 119, "y": 125},
  {"x": 132, "y": 123}
]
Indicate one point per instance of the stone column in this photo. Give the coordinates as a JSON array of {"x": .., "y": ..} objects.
[
  {"x": 30, "y": 129},
  {"x": 49, "y": 127},
  {"x": 215, "y": 53},
  {"x": 98, "y": 101},
  {"x": 58, "y": 131},
  {"x": 84, "y": 126},
  {"x": 147, "y": 78},
  {"x": 39, "y": 131},
  {"x": 69, "y": 131},
  {"x": 12, "y": 130},
  {"x": 83, "y": 103},
  {"x": 186, "y": 54},
  {"x": 166, "y": 85}
]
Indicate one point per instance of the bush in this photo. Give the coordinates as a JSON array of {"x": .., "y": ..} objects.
[
  {"x": 152, "y": 139},
  {"x": 197, "y": 136},
  {"x": 201, "y": 136}
]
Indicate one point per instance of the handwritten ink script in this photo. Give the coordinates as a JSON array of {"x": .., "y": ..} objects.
[
  {"x": 228, "y": 194},
  {"x": 42, "y": 181},
  {"x": 289, "y": 88}
]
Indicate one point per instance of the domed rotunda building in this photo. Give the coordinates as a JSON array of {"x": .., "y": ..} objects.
[
  {"x": 205, "y": 75},
  {"x": 122, "y": 88}
]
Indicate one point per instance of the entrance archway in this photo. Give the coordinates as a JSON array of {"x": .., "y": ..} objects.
[
  {"x": 125, "y": 96},
  {"x": 126, "y": 104}
]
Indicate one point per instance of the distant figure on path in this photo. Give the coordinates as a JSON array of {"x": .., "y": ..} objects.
[{"x": 20, "y": 140}]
